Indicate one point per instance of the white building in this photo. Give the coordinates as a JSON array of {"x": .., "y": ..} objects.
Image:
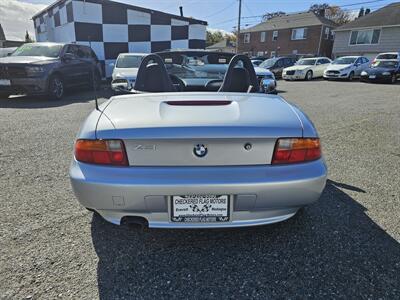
[{"x": 113, "y": 28}]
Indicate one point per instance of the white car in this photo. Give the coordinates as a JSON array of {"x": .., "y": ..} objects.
[
  {"x": 346, "y": 67},
  {"x": 306, "y": 69},
  {"x": 388, "y": 56},
  {"x": 125, "y": 71}
]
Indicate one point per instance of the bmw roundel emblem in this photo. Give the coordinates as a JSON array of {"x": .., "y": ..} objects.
[{"x": 200, "y": 150}]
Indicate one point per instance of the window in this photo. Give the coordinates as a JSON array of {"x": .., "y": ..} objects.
[
  {"x": 294, "y": 52},
  {"x": 327, "y": 32},
  {"x": 365, "y": 37},
  {"x": 287, "y": 62},
  {"x": 323, "y": 61},
  {"x": 260, "y": 53},
  {"x": 263, "y": 34},
  {"x": 273, "y": 54},
  {"x": 247, "y": 38},
  {"x": 275, "y": 35},
  {"x": 299, "y": 34}
]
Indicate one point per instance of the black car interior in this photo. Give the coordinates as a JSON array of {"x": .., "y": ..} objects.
[{"x": 153, "y": 77}]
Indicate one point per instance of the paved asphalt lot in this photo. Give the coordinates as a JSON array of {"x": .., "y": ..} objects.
[{"x": 344, "y": 246}]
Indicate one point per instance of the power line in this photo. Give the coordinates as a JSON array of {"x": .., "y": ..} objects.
[
  {"x": 219, "y": 11},
  {"x": 260, "y": 16},
  {"x": 359, "y": 3}
]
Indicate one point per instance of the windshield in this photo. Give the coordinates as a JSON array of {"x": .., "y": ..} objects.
[
  {"x": 189, "y": 65},
  {"x": 344, "y": 61},
  {"x": 306, "y": 62},
  {"x": 268, "y": 63},
  {"x": 385, "y": 64},
  {"x": 387, "y": 56},
  {"x": 129, "y": 61},
  {"x": 38, "y": 50}
]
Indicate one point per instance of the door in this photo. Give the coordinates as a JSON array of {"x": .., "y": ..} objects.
[
  {"x": 321, "y": 65},
  {"x": 359, "y": 66},
  {"x": 278, "y": 68},
  {"x": 74, "y": 67}
]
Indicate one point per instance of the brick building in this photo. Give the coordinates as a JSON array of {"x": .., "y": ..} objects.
[{"x": 306, "y": 33}]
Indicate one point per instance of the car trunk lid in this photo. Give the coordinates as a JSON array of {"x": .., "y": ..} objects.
[{"x": 165, "y": 129}]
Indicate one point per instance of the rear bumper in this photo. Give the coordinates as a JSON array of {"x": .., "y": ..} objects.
[
  {"x": 259, "y": 194},
  {"x": 31, "y": 86}
]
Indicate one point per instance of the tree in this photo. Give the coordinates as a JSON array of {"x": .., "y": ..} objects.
[
  {"x": 216, "y": 36},
  {"x": 361, "y": 12},
  {"x": 268, "y": 16},
  {"x": 28, "y": 38},
  {"x": 213, "y": 37},
  {"x": 333, "y": 13}
]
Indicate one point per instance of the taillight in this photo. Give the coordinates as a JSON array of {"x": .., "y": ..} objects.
[
  {"x": 296, "y": 150},
  {"x": 102, "y": 152}
]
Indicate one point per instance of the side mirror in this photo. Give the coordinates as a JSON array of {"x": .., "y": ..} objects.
[
  {"x": 8, "y": 54},
  {"x": 68, "y": 57}
]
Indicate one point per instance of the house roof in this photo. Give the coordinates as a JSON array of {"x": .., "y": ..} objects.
[
  {"x": 302, "y": 19},
  {"x": 222, "y": 44},
  {"x": 386, "y": 16},
  {"x": 2, "y": 35}
]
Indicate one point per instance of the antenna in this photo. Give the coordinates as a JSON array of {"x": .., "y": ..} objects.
[{"x": 94, "y": 80}]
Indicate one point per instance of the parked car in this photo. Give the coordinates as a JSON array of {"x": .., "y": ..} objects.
[
  {"x": 382, "y": 71},
  {"x": 346, "y": 67},
  {"x": 256, "y": 62},
  {"x": 7, "y": 51},
  {"x": 307, "y": 68},
  {"x": 206, "y": 69},
  {"x": 201, "y": 159},
  {"x": 125, "y": 71},
  {"x": 48, "y": 69},
  {"x": 387, "y": 56},
  {"x": 277, "y": 64}
]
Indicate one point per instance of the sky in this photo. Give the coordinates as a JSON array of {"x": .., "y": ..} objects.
[{"x": 15, "y": 15}]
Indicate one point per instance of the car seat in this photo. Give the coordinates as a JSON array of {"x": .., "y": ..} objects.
[
  {"x": 240, "y": 76},
  {"x": 152, "y": 76}
]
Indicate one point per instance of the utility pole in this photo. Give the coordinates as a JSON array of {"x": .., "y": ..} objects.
[{"x": 238, "y": 27}]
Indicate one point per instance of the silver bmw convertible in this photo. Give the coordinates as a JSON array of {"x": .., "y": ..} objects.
[{"x": 193, "y": 148}]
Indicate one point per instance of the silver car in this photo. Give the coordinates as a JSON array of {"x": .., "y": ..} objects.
[
  {"x": 196, "y": 159},
  {"x": 346, "y": 67}
]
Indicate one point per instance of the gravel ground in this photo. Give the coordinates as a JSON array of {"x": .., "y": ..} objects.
[{"x": 344, "y": 246}]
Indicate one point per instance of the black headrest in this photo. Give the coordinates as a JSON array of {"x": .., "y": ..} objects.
[
  {"x": 152, "y": 76},
  {"x": 238, "y": 79}
]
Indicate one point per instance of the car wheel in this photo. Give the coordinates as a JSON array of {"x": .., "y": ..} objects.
[
  {"x": 309, "y": 75},
  {"x": 56, "y": 87},
  {"x": 4, "y": 95},
  {"x": 393, "y": 79},
  {"x": 351, "y": 76}
]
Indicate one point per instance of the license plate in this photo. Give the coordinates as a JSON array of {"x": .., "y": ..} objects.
[
  {"x": 200, "y": 208},
  {"x": 5, "y": 82},
  {"x": 372, "y": 76}
]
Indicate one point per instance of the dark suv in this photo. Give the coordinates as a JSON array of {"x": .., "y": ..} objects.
[
  {"x": 277, "y": 64},
  {"x": 48, "y": 69}
]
